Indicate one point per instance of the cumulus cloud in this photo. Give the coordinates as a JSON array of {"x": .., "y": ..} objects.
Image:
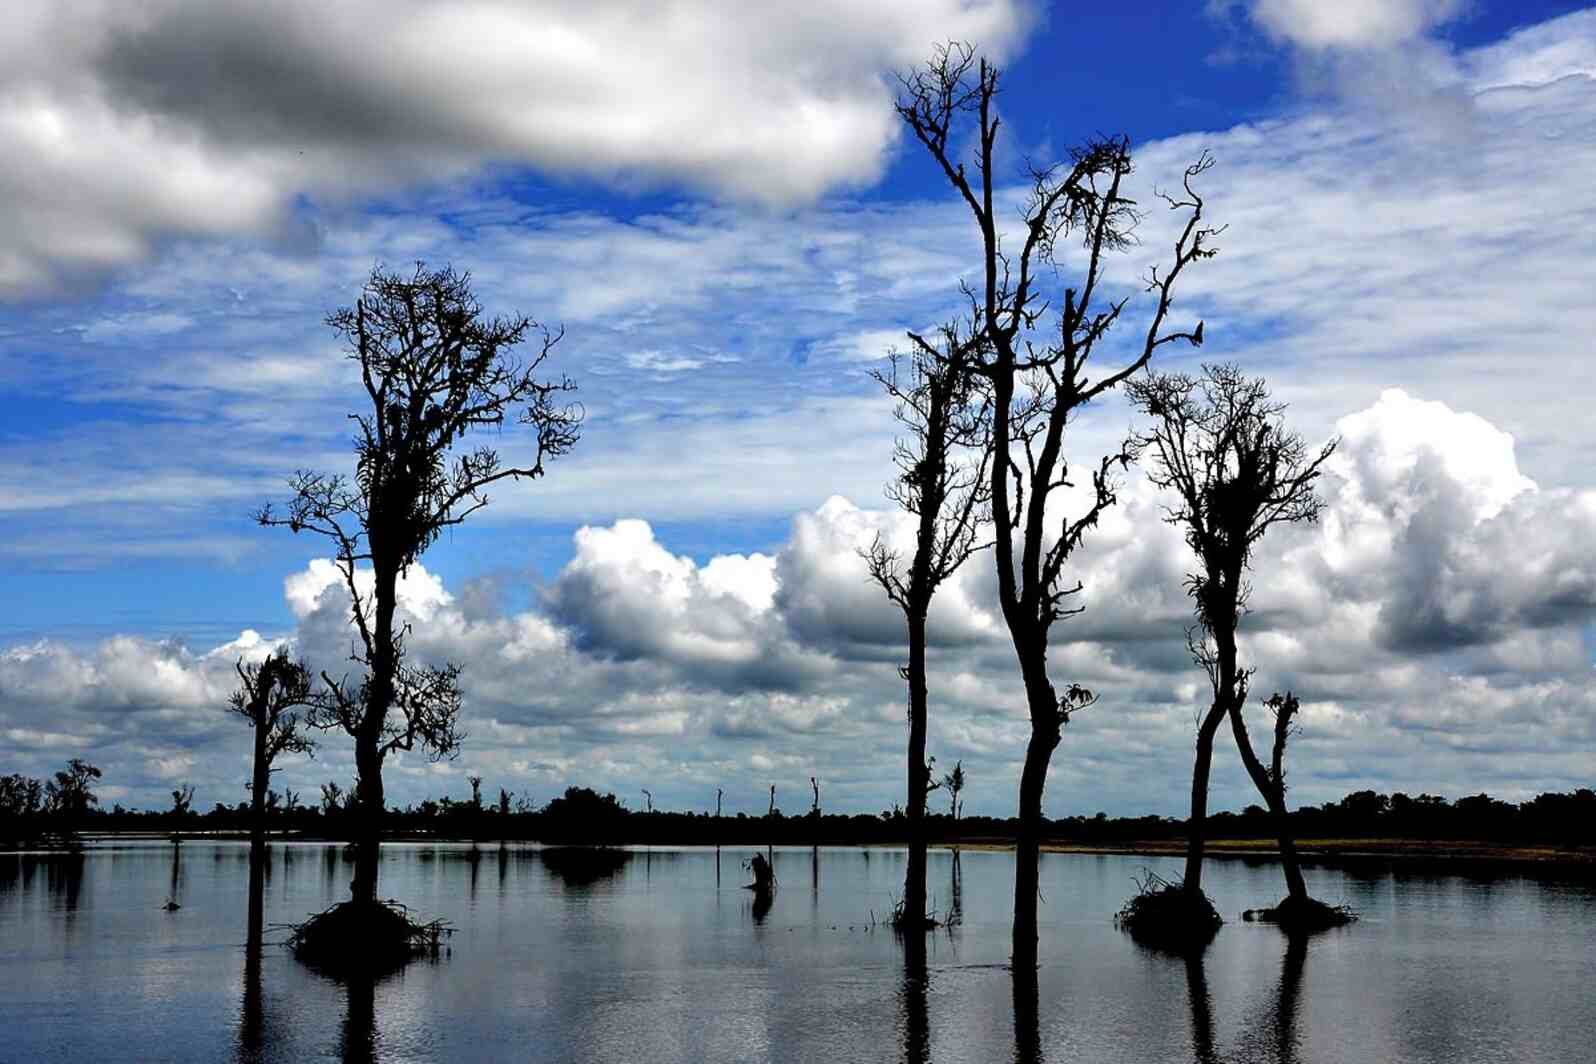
[
  {"x": 828, "y": 598},
  {"x": 131, "y": 124},
  {"x": 1432, "y": 506},
  {"x": 628, "y": 597},
  {"x": 1433, "y": 624},
  {"x": 418, "y": 592}
]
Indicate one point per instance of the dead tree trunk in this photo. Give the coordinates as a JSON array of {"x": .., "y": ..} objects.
[
  {"x": 435, "y": 369},
  {"x": 942, "y": 483},
  {"x": 1271, "y": 784},
  {"x": 1220, "y": 445},
  {"x": 268, "y": 697},
  {"x": 1039, "y": 383}
]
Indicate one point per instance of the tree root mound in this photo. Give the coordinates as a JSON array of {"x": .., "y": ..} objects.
[
  {"x": 1166, "y": 915},
  {"x": 1303, "y": 915},
  {"x": 365, "y": 937}
]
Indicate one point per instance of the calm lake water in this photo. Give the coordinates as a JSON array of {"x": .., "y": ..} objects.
[{"x": 666, "y": 959}]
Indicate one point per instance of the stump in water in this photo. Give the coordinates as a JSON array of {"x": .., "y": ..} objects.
[
  {"x": 1303, "y": 915},
  {"x": 903, "y": 923},
  {"x": 1168, "y": 916},
  {"x": 764, "y": 875},
  {"x": 364, "y": 937}
]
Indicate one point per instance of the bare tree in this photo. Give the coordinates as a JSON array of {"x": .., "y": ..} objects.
[
  {"x": 434, "y": 368},
  {"x": 333, "y": 799},
  {"x": 942, "y": 481},
  {"x": 954, "y": 782},
  {"x": 182, "y": 800},
  {"x": 1039, "y": 383},
  {"x": 270, "y": 696},
  {"x": 1220, "y": 444},
  {"x": 476, "y": 793},
  {"x": 1271, "y": 783}
]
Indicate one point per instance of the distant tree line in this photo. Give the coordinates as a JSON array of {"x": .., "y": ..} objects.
[{"x": 32, "y": 809}]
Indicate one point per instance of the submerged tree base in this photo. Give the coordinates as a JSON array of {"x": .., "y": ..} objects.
[
  {"x": 1304, "y": 914},
  {"x": 903, "y": 923},
  {"x": 1168, "y": 916},
  {"x": 365, "y": 937}
]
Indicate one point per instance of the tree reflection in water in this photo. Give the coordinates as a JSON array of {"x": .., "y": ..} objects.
[
  {"x": 251, "y": 1016},
  {"x": 916, "y": 1013},
  {"x": 1286, "y": 1036},
  {"x": 358, "y": 1041},
  {"x": 1027, "y": 1016},
  {"x": 956, "y": 904},
  {"x": 1202, "y": 1007}
]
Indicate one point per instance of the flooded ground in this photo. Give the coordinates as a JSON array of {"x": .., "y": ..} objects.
[{"x": 662, "y": 956}]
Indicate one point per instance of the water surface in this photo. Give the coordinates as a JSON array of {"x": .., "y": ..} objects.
[{"x": 664, "y": 957}]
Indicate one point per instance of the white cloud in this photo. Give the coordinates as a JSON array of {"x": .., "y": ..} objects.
[
  {"x": 1319, "y": 24},
  {"x": 1433, "y": 625},
  {"x": 418, "y": 592},
  {"x": 130, "y": 124}
]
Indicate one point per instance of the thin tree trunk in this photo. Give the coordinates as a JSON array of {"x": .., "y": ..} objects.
[
  {"x": 1223, "y": 599},
  {"x": 368, "y": 819},
  {"x": 261, "y": 778},
  {"x": 1296, "y": 888},
  {"x": 1027, "y": 846},
  {"x": 1197, "y": 826},
  {"x": 368, "y": 739},
  {"x": 914, "y": 893}
]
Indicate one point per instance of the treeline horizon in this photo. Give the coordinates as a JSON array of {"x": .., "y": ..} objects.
[{"x": 33, "y": 810}]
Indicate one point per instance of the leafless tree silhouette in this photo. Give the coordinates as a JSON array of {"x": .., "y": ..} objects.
[
  {"x": 435, "y": 369},
  {"x": 270, "y": 696},
  {"x": 1271, "y": 783},
  {"x": 1219, "y": 444},
  {"x": 954, "y": 782},
  {"x": 942, "y": 481},
  {"x": 333, "y": 799},
  {"x": 1039, "y": 383},
  {"x": 182, "y": 800}
]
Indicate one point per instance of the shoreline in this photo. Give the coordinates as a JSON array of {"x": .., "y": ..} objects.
[{"x": 1528, "y": 858}]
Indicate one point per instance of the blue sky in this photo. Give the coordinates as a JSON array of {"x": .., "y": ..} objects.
[{"x": 726, "y": 219}]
